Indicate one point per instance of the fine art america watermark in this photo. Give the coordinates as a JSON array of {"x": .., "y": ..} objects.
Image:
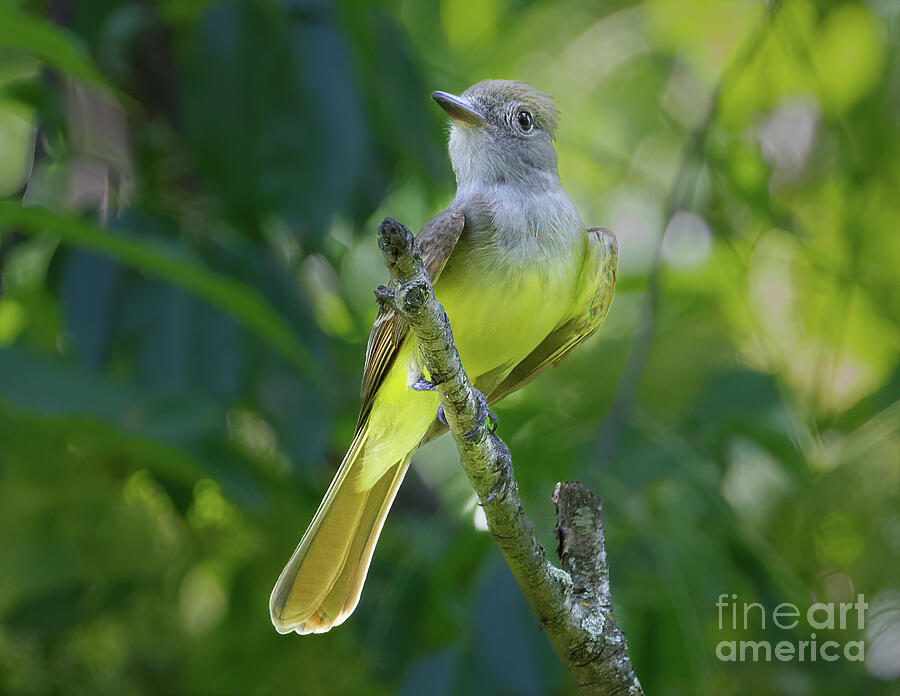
[{"x": 821, "y": 616}]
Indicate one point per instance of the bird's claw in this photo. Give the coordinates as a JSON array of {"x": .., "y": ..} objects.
[
  {"x": 423, "y": 384},
  {"x": 484, "y": 413}
]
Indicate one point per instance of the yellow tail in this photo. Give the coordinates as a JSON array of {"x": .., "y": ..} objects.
[{"x": 321, "y": 584}]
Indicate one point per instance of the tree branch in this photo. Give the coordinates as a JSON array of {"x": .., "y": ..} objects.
[{"x": 572, "y": 604}]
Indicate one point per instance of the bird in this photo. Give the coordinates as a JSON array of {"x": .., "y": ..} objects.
[{"x": 522, "y": 281}]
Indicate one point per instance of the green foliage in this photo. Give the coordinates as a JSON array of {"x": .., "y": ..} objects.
[
  {"x": 185, "y": 297},
  {"x": 221, "y": 292}
]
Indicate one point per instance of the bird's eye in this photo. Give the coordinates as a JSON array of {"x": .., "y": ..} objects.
[{"x": 526, "y": 122}]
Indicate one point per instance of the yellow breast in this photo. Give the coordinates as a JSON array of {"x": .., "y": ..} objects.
[{"x": 502, "y": 314}]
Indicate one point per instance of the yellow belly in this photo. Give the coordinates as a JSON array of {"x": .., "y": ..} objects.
[{"x": 497, "y": 319}]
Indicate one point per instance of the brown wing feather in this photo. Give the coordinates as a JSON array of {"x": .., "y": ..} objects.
[
  {"x": 595, "y": 289},
  {"x": 436, "y": 241}
]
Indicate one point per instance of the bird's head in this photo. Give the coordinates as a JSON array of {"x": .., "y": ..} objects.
[{"x": 501, "y": 131}]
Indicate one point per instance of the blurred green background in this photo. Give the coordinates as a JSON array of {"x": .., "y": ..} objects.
[{"x": 186, "y": 295}]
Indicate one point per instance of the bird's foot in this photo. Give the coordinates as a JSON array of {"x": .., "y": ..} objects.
[
  {"x": 423, "y": 384},
  {"x": 484, "y": 413}
]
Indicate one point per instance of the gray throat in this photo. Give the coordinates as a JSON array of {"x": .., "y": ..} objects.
[{"x": 520, "y": 223}]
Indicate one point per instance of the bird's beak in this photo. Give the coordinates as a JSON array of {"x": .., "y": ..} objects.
[{"x": 458, "y": 109}]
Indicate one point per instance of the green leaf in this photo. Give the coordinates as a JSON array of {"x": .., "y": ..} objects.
[
  {"x": 49, "y": 43},
  {"x": 239, "y": 300}
]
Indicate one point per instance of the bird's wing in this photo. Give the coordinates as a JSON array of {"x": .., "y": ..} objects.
[
  {"x": 436, "y": 241},
  {"x": 596, "y": 281}
]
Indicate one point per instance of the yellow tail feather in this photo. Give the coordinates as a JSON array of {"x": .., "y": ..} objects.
[{"x": 321, "y": 584}]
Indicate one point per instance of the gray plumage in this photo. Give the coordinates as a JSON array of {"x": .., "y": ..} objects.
[{"x": 508, "y": 184}]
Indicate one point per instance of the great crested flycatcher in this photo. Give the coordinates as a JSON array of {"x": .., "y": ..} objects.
[{"x": 522, "y": 282}]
